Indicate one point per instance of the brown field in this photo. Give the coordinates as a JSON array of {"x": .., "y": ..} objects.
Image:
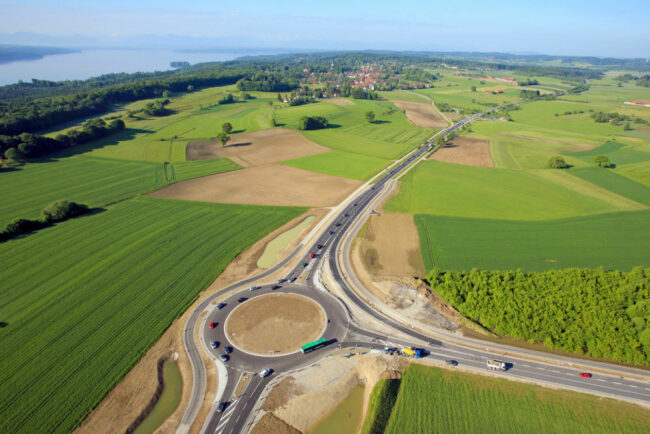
[
  {"x": 275, "y": 323},
  {"x": 255, "y": 149},
  {"x": 465, "y": 150},
  {"x": 453, "y": 116},
  {"x": 421, "y": 114},
  {"x": 273, "y": 185},
  {"x": 341, "y": 102},
  {"x": 391, "y": 246}
]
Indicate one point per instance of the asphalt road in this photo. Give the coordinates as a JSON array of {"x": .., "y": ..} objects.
[{"x": 346, "y": 334}]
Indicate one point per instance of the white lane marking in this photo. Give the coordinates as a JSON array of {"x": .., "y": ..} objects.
[
  {"x": 632, "y": 385},
  {"x": 553, "y": 370}
]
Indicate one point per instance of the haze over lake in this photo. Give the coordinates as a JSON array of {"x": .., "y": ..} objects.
[{"x": 93, "y": 62}]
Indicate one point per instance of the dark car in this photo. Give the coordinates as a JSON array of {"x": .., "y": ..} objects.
[
  {"x": 242, "y": 299},
  {"x": 320, "y": 246},
  {"x": 274, "y": 287},
  {"x": 227, "y": 349},
  {"x": 346, "y": 215},
  {"x": 585, "y": 375},
  {"x": 331, "y": 232},
  {"x": 293, "y": 279},
  {"x": 224, "y": 357},
  {"x": 222, "y": 406},
  {"x": 221, "y": 306},
  {"x": 214, "y": 344},
  {"x": 281, "y": 280},
  {"x": 338, "y": 224},
  {"x": 451, "y": 362}
]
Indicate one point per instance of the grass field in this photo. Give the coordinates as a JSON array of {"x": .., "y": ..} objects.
[
  {"x": 193, "y": 116},
  {"x": 615, "y": 241},
  {"x": 618, "y": 154},
  {"x": 382, "y": 400},
  {"x": 85, "y": 299},
  {"x": 639, "y": 172},
  {"x": 338, "y": 163},
  {"x": 611, "y": 180},
  {"x": 464, "y": 191},
  {"x": 92, "y": 181},
  {"x": 436, "y": 400}
]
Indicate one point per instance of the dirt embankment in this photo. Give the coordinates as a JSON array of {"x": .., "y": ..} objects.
[
  {"x": 421, "y": 114},
  {"x": 303, "y": 399},
  {"x": 465, "y": 150}
]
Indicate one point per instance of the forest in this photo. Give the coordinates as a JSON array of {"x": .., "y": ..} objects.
[{"x": 592, "y": 312}]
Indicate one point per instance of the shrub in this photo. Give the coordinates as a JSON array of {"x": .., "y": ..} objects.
[
  {"x": 62, "y": 210},
  {"x": 312, "y": 123},
  {"x": 557, "y": 162}
]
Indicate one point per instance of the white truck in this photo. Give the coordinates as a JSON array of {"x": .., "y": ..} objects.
[{"x": 496, "y": 365}]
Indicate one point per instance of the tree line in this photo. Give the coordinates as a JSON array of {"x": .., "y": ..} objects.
[
  {"x": 28, "y": 145},
  {"x": 56, "y": 212},
  {"x": 593, "y": 312}
]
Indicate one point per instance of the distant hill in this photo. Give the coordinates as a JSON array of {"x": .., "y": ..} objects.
[{"x": 14, "y": 53}]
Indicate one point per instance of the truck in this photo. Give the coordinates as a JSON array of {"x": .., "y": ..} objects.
[
  {"x": 413, "y": 352},
  {"x": 497, "y": 365}
]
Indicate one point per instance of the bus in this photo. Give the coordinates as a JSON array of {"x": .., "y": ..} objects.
[{"x": 318, "y": 343}]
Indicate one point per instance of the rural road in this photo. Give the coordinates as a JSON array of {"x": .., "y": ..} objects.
[{"x": 332, "y": 245}]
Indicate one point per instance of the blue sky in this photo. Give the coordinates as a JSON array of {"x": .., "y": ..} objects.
[{"x": 594, "y": 27}]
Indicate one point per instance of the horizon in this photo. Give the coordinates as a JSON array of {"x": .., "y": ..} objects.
[{"x": 583, "y": 28}]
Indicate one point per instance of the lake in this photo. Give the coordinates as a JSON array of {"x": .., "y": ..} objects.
[{"x": 93, "y": 62}]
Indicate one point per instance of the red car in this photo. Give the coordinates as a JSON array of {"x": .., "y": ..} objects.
[
  {"x": 212, "y": 325},
  {"x": 313, "y": 255},
  {"x": 585, "y": 375}
]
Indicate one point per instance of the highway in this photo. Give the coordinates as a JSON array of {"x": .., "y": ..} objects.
[{"x": 332, "y": 249}]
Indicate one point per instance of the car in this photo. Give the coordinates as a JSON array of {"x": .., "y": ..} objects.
[
  {"x": 242, "y": 299},
  {"x": 312, "y": 255},
  {"x": 331, "y": 232},
  {"x": 338, "y": 224},
  {"x": 451, "y": 362},
  {"x": 274, "y": 287},
  {"x": 253, "y": 288},
  {"x": 266, "y": 373},
  {"x": 293, "y": 279},
  {"x": 222, "y": 406},
  {"x": 320, "y": 246},
  {"x": 281, "y": 280},
  {"x": 304, "y": 264},
  {"x": 354, "y": 204},
  {"x": 585, "y": 375},
  {"x": 213, "y": 324},
  {"x": 214, "y": 344},
  {"x": 346, "y": 215},
  {"x": 224, "y": 357},
  {"x": 228, "y": 349},
  {"x": 221, "y": 306}
]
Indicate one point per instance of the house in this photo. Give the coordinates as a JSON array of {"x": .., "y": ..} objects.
[
  {"x": 507, "y": 79},
  {"x": 638, "y": 102}
]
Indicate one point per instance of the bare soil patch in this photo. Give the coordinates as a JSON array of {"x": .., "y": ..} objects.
[
  {"x": 341, "y": 102},
  {"x": 273, "y": 185},
  {"x": 391, "y": 246},
  {"x": 465, "y": 150},
  {"x": 453, "y": 116},
  {"x": 258, "y": 148},
  {"x": 421, "y": 114},
  {"x": 275, "y": 323},
  {"x": 271, "y": 424}
]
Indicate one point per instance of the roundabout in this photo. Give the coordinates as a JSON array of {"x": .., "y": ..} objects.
[{"x": 275, "y": 324}]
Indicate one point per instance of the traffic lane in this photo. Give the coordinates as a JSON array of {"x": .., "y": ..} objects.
[
  {"x": 243, "y": 406},
  {"x": 217, "y": 417},
  {"x": 335, "y": 328}
]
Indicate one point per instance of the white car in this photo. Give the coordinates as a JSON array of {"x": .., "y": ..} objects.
[{"x": 266, "y": 373}]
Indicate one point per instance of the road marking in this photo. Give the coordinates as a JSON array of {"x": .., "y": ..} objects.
[{"x": 553, "y": 370}]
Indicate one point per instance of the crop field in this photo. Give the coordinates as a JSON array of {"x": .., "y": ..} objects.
[
  {"x": 436, "y": 400},
  {"x": 85, "y": 299},
  {"x": 463, "y": 191},
  {"x": 614, "y": 241},
  {"x": 612, "y": 181},
  {"x": 92, "y": 181},
  {"x": 337, "y": 163},
  {"x": 618, "y": 153},
  {"x": 639, "y": 172}
]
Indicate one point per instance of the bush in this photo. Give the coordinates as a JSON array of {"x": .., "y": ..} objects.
[
  {"x": 301, "y": 100},
  {"x": 63, "y": 210},
  {"x": 21, "y": 226},
  {"x": 228, "y": 99},
  {"x": 557, "y": 162},
  {"x": 312, "y": 123}
]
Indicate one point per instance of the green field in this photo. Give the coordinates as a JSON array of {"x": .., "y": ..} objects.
[
  {"x": 81, "y": 302},
  {"x": 92, "y": 181},
  {"x": 440, "y": 401},
  {"x": 382, "y": 400},
  {"x": 612, "y": 181},
  {"x": 618, "y": 154},
  {"x": 465, "y": 191},
  {"x": 194, "y": 116},
  {"x": 615, "y": 241},
  {"x": 639, "y": 172},
  {"x": 345, "y": 164}
]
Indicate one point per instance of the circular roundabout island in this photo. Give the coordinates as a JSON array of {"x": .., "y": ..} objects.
[{"x": 275, "y": 324}]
